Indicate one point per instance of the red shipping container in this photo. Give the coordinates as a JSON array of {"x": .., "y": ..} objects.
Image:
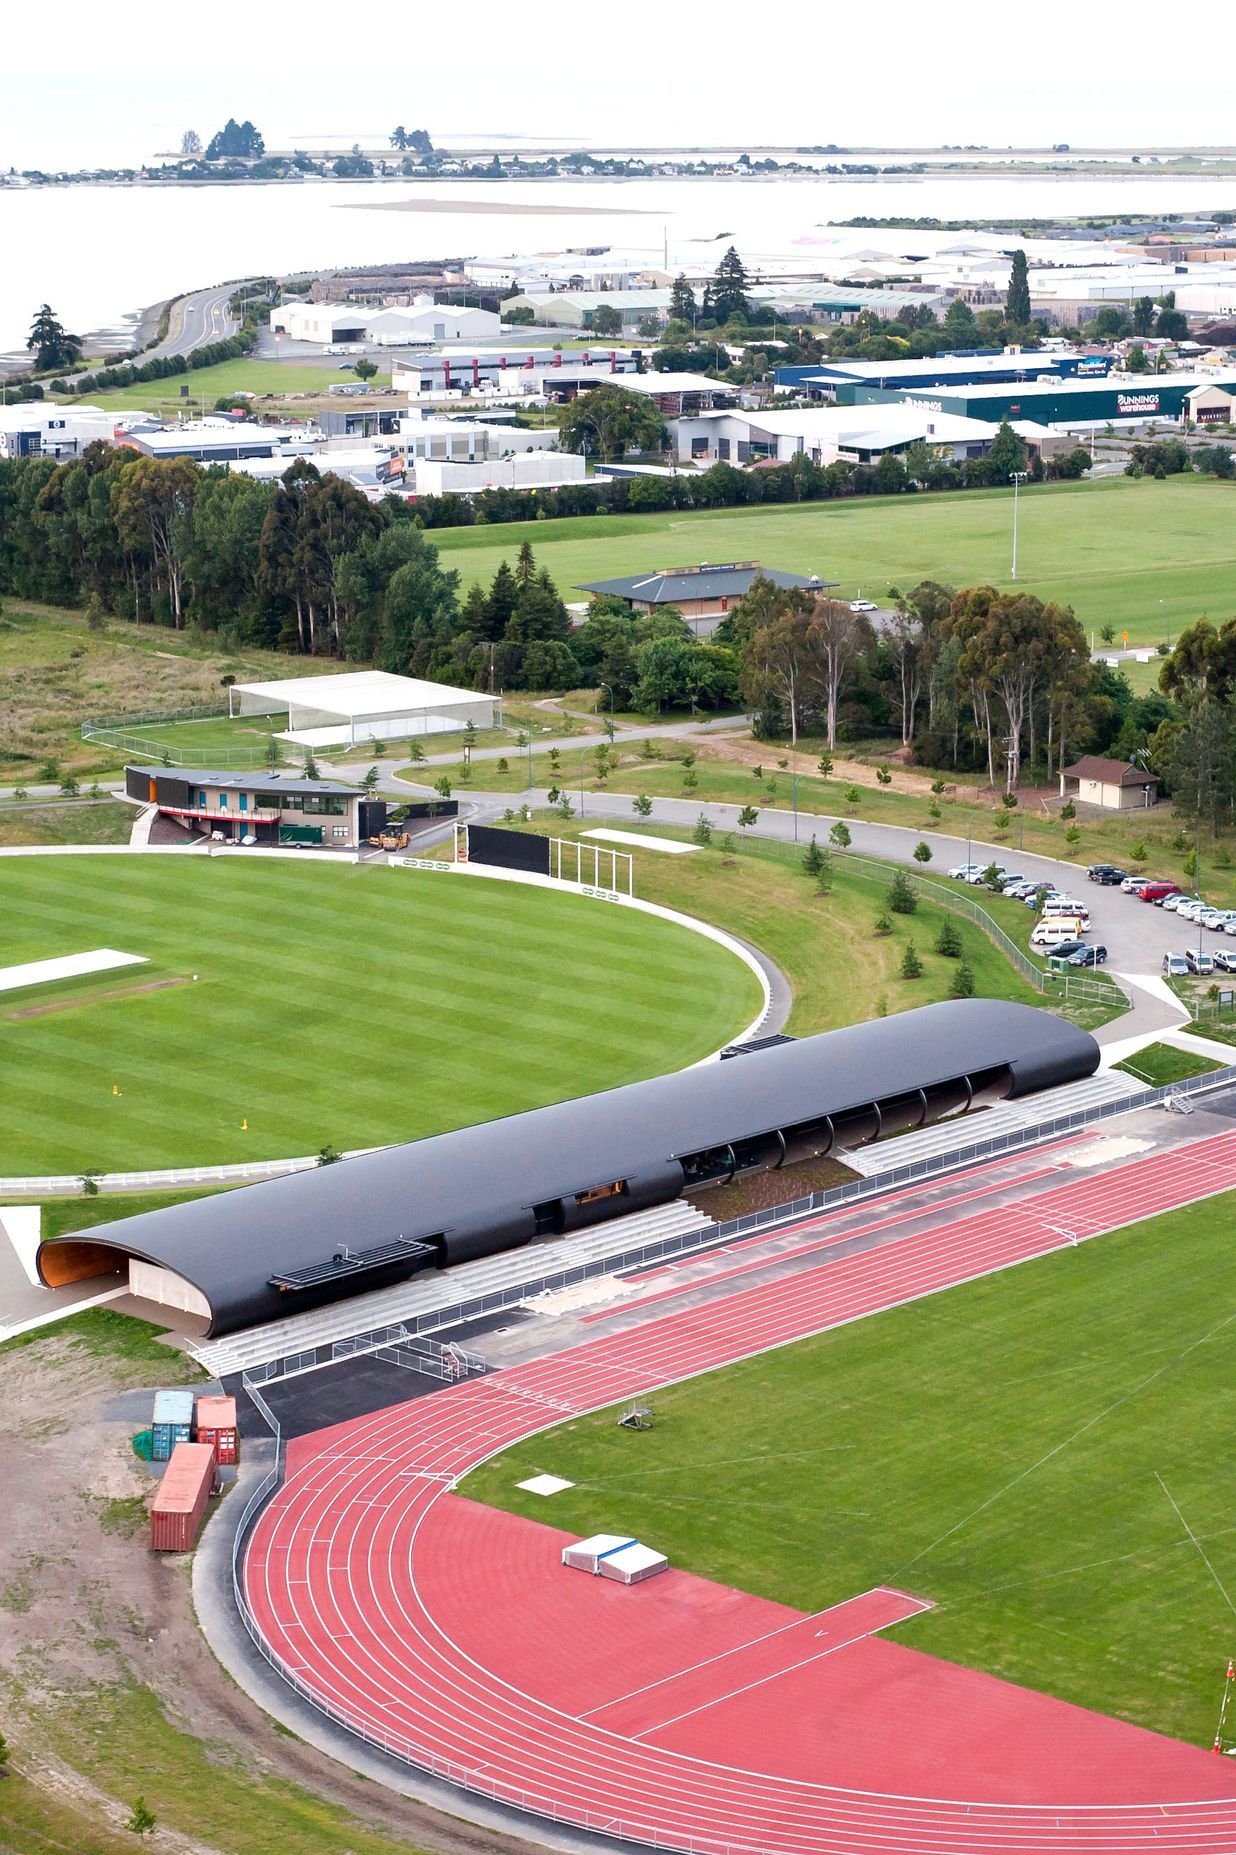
[
  {"x": 188, "y": 1482},
  {"x": 215, "y": 1423}
]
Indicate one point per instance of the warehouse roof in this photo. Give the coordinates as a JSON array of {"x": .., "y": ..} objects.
[
  {"x": 670, "y": 584},
  {"x": 231, "y": 1245}
]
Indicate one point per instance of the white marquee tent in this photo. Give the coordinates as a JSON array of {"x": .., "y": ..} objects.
[{"x": 365, "y": 705}]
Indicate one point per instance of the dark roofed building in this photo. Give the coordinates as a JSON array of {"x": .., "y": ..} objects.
[
  {"x": 703, "y": 594},
  {"x": 291, "y": 1243},
  {"x": 1116, "y": 785},
  {"x": 258, "y": 808}
]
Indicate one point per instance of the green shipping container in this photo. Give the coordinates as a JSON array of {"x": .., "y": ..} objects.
[{"x": 300, "y": 834}]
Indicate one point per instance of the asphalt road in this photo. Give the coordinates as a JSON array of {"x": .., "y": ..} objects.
[{"x": 197, "y": 320}]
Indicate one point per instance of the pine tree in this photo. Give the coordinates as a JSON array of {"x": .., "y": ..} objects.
[
  {"x": 963, "y": 982},
  {"x": 682, "y": 301},
  {"x": 50, "y": 343},
  {"x": 911, "y": 965},
  {"x": 1017, "y": 302},
  {"x": 948, "y": 941},
  {"x": 501, "y": 603},
  {"x": 729, "y": 289},
  {"x": 813, "y": 859},
  {"x": 525, "y": 566},
  {"x": 901, "y": 897}
]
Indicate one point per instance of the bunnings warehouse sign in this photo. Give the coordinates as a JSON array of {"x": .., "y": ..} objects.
[{"x": 1129, "y": 404}]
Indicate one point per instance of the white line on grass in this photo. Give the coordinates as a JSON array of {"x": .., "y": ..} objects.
[
  {"x": 1057, "y": 1448},
  {"x": 1196, "y": 1542}
]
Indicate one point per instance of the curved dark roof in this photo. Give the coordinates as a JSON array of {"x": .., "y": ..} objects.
[{"x": 469, "y": 1180}]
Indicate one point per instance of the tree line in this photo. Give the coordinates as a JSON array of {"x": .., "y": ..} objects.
[
  {"x": 308, "y": 565},
  {"x": 971, "y": 678}
]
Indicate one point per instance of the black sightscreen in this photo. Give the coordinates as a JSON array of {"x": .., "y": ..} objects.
[{"x": 508, "y": 850}]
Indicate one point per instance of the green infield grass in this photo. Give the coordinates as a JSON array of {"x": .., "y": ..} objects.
[
  {"x": 337, "y": 1005},
  {"x": 1143, "y": 555},
  {"x": 1040, "y": 1453},
  {"x": 1159, "y": 1064}
]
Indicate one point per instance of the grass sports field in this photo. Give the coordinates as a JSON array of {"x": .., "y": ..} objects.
[
  {"x": 344, "y": 1005},
  {"x": 1139, "y": 555},
  {"x": 1020, "y": 1423},
  {"x": 207, "y": 384}
]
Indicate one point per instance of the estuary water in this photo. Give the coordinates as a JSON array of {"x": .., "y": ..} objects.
[{"x": 99, "y": 254}]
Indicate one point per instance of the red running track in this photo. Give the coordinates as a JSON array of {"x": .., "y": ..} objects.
[{"x": 331, "y": 1575}]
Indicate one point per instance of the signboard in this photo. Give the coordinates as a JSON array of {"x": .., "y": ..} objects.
[
  {"x": 1093, "y": 364},
  {"x": 1129, "y": 405}
]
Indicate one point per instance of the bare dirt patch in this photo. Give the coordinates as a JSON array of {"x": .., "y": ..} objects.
[
  {"x": 96, "y": 998},
  {"x": 101, "y": 1658}
]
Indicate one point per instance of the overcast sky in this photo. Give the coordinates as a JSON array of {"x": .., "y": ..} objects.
[{"x": 116, "y": 86}]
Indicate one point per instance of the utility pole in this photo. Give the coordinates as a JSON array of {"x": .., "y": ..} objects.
[{"x": 1016, "y": 478}]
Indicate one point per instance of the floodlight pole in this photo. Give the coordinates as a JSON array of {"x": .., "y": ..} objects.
[
  {"x": 794, "y": 799},
  {"x": 1016, "y": 478}
]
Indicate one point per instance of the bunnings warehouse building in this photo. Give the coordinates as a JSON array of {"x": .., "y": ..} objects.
[{"x": 1079, "y": 402}]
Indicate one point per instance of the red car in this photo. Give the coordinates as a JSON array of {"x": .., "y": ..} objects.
[{"x": 1155, "y": 891}]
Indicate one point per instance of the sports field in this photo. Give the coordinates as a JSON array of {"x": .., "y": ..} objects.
[
  {"x": 1040, "y": 1452},
  {"x": 336, "y": 1005},
  {"x": 283, "y": 379},
  {"x": 1138, "y": 554}
]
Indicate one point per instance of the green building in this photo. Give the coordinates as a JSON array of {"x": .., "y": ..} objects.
[{"x": 1065, "y": 402}]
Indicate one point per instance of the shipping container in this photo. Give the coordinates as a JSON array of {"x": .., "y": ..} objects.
[
  {"x": 173, "y": 1421},
  {"x": 216, "y": 1425},
  {"x": 179, "y": 1506}
]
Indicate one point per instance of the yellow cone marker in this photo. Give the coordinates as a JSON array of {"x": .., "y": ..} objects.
[
  {"x": 244, "y": 1127},
  {"x": 115, "y": 1090}
]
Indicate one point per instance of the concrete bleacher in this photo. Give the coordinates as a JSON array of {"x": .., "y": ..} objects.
[
  {"x": 990, "y": 1123},
  {"x": 438, "y": 1293}
]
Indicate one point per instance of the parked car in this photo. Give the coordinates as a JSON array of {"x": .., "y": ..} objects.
[
  {"x": 1175, "y": 966},
  {"x": 1088, "y": 956},
  {"x": 1011, "y": 880},
  {"x": 1049, "y": 936},
  {"x": 1022, "y": 891},
  {"x": 1155, "y": 891},
  {"x": 961, "y": 872},
  {"x": 1043, "y": 891},
  {"x": 979, "y": 872},
  {"x": 863, "y": 605},
  {"x": 1106, "y": 873},
  {"x": 1199, "y": 963},
  {"x": 1131, "y": 884},
  {"x": 1213, "y": 917},
  {"x": 1063, "y": 905},
  {"x": 1225, "y": 962},
  {"x": 1067, "y": 948}
]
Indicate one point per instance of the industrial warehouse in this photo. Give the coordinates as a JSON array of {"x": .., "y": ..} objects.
[{"x": 313, "y": 1237}]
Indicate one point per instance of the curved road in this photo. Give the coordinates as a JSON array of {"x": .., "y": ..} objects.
[{"x": 197, "y": 319}]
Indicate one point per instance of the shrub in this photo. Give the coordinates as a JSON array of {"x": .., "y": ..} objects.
[
  {"x": 911, "y": 965},
  {"x": 852, "y": 795},
  {"x": 702, "y": 834},
  {"x": 884, "y": 775},
  {"x": 813, "y": 858},
  {"x": 883, "y": 924},
  {"x": 825, "y": 764},
  {"x": 1068, "y": 810},
  {"x": 922, "y": 853},
  {"x": 641, "y": 805},
  {"x": 1138, "y": 853},
  {"x": 839, "y": 836},
  {"x": 963, "y": 982}
]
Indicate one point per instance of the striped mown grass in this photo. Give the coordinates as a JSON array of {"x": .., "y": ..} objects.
[{"x": 334, "y": 1004}]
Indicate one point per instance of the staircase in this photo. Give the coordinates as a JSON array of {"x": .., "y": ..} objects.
[{"x": 441, "y": 1297}]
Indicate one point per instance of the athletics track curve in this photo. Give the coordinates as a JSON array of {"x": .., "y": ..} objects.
[{"x": 330, "y": 1574}]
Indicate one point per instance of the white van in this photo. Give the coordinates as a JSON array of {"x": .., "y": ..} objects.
[
  {"x": 1049, "y": 934},
  {"x": 1078, "y": 915},
  {"x": 1063, "y": 905}
]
